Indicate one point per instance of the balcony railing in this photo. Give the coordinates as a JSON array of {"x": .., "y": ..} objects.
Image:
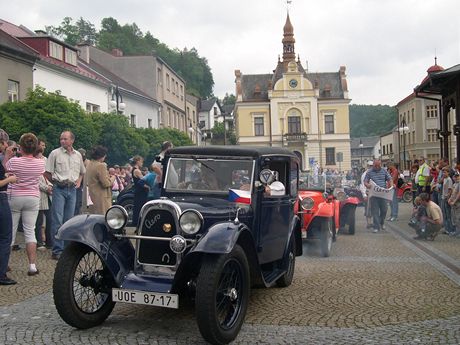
[{"x": 295, "y": 137}]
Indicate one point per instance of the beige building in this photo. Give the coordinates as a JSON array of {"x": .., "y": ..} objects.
[
  {"x": 388, "y": 148},
  {"x": 418, "y": 126},
  {"x": 16, "y": 63},
  {"x": 149, "y": 74},
  {"x": 305, "y": 112}
]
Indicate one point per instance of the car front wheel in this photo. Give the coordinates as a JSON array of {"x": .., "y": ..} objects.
[
  {"x": 407, "y": 196},
  {"x": 222, "y": 295},
  {"x": 326, "y": 237},
  {"x": 81, "y": 287}
]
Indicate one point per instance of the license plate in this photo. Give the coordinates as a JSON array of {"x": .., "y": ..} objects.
[{"x": 146, "y": 298}]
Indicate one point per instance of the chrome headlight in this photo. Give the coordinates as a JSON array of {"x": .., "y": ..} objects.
[
  {"x": 307, "y": 203},
  {"x": 191, "y": 222},
  {"x": 116, "y": 217}
]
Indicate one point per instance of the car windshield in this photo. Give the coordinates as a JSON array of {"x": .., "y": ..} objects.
[
  {"x": 323, "y": 181},
  {"x": 210, "y": 175}
]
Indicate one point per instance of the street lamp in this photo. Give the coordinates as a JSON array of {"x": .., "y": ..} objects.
[
  {"x": 404, "y": 129},
  {"x": 117, "y": 101},
  {"x": 361, "y": 148}
]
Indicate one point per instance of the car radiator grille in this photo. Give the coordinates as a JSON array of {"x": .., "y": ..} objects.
[{"x": 152, "y": 251}]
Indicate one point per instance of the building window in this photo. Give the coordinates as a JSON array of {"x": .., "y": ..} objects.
[
  {"x": 391, "y": 148},
  {"x": 431, "y": 111},
  {"x": 92, "y": 108},
  {"x": 413, "y": 137},
  {"x": 202, "y": 124},
  {"x": 181, "y": 93},
  {"x": 70, "y": 56},
  {"x": 159, "y": 77},
  {"x": 413, "y": 114},
  {"x": 330, "y": 155},
  {"x": 177, "y": 89},
  {"x": 258, "y": 126},
  {"x": 431, "y": 135},
  {"x": 215, "y": 110},
  {"x": 13, "y": 91},
  {"x": 329, "y": 124},
  {"x": 168, "y": 119},
  {"x": 55, "y": 50},
  {"x": 294, "y": 125},
  {"x": 168, "y": 82},
  {"x": 149, "y": 122},
  {"x": 133, "y": 120}
]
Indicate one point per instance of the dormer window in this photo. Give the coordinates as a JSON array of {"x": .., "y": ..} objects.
[
  {"x": 70, "y": 56},
  {"x": 55, "y": 50}
]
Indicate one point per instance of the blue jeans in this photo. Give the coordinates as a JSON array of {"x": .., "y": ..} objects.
[
  {"x": 446, "y": 213},
  {"x": 62, "y": 209},
  {"x": 379, "y": 211},
  {"x": 395, "y": 204},
  {"x": 6, "y": 233}
]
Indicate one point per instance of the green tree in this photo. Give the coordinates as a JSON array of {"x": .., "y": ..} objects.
[
  {"x": 47, "y": 115},
  {"x": 229, "y": 99},
  {"x": 218, "y": 133},
  {"x": 74, "y": 33},
  {"x": 370, "y": 120}
]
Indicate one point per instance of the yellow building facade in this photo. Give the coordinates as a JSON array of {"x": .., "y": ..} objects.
[{"x": 305, "y": 112}]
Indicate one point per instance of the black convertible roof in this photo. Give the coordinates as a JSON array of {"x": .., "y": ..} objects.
[{"x": 227, "y": 151}]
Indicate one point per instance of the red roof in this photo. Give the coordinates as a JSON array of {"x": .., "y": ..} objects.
[
  {"x": 14, "y": 30},
  {"x": 432, "y": 69}
]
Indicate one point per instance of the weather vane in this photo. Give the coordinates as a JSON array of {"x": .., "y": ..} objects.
[{"x": 288, "y": 2}]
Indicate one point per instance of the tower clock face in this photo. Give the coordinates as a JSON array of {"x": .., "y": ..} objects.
[{"x": 293, "y": 83}]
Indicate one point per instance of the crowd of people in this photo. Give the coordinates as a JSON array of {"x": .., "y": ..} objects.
[
  {"x": 38, "y": 194},
  {"x": 436, "y": 196}
]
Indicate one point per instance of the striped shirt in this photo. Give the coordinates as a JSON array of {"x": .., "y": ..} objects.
[
  {"x": 28, "y": 171},
  {"x": 380, "y": 177}
]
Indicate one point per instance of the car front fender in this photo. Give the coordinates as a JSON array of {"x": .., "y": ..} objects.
[
  {"x": 90, "y": 230},
  {"x": 220, "y": 238}
]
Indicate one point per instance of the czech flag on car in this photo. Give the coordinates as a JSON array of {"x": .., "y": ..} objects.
[{"x": 240, "y": 196}]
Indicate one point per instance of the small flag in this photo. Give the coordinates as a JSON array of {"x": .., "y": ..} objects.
[{"x": 240, "y": 196}]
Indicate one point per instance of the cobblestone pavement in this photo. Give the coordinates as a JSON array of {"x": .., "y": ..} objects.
[{"x": 380, "y": 288}]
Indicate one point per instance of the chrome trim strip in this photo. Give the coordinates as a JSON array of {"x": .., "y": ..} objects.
[{"x": 149, "y": 238}]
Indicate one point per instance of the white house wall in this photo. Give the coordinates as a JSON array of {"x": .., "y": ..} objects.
[
  {"x": 71, "y": 87},
  {"x": 143, "y": 110}
]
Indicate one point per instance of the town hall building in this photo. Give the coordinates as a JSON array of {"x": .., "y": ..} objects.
[{"x": 307, "y": 113}]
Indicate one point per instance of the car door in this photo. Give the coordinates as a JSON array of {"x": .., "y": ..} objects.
[{"x": 276, "y": 215}]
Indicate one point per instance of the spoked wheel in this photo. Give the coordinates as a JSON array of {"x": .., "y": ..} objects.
[
  {"x": 222, "y": 296},
  {"x": 407, "y": 196},
  {"x": 128, "y": 205},
  {"x": 326, "y": 237},
  {"x": 81, "y": 287},
  {"x": 286, "y": 278}
]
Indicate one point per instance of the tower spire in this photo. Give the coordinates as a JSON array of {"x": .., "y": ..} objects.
[{"x": 288, "y": 41}]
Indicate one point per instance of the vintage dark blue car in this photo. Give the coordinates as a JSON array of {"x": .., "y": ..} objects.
[{"x": 226, "y": 222}]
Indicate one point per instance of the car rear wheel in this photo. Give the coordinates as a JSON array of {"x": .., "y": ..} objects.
[
  {"x": 326, "y": 237},
  {"x": 286, "y": 278},
  {"x": 222, "y": 295},
  {"x": 81, "y": 287},
  {"x": 407, "y": 196}
]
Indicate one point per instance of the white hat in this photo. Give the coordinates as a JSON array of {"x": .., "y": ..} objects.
[{"x": 370, "y": 163}]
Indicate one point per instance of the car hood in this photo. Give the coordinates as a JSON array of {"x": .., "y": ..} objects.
[
  {"x": 318, "y": 196},
  {"x": 213, "y": 208}
]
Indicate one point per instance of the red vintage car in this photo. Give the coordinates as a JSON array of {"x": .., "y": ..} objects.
[{"x": 319, "y": 209}]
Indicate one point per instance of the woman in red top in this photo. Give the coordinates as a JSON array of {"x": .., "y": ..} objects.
[{"x": 24, "y": 196}]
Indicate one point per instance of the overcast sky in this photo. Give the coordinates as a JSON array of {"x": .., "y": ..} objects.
[{"x": 386, "y": 45}]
